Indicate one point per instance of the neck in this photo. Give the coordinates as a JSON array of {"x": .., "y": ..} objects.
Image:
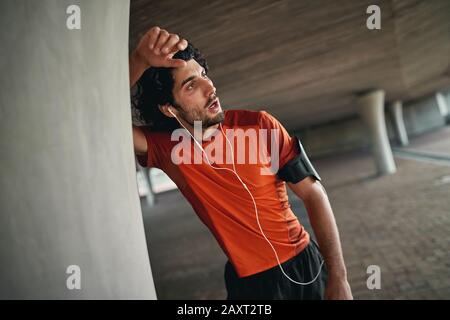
[
  {"x": 206, "y": 132},
  {"x": 210, "y": 131}
]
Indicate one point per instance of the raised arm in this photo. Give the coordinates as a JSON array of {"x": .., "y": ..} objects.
[{"x": 155, "y": 49}]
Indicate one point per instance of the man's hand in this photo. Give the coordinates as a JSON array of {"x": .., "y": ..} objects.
[
  {"x": 157, "y": 47},
  {"x": 338, "y": 289}
]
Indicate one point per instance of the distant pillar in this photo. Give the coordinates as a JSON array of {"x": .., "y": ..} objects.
[
  {"x": 442, "y": 104},
  {"x": 397, "y": 113},
  {"x": 371, "y": 108},
  {"x": 150, "y": 197}
]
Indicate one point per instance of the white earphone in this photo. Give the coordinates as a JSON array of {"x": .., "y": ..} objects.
[{"x": 251, "y": 195}]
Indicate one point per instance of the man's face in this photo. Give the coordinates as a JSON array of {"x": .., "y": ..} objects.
[{"x": 195, "y": 95}]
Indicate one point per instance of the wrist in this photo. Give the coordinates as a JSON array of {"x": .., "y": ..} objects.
[
  {"x": 337, "y": 275},
  {"x": 138, "y": 61}
]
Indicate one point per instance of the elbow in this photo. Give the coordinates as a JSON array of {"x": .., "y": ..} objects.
[{"x": 316, "y": 193}]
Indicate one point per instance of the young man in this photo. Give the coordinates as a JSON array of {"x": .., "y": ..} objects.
[{"x": 271, "y": 256}]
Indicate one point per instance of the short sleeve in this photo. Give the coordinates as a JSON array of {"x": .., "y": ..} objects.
[
  {"x": 151, "y": 159},
  {"x": 288, "y": 147}
]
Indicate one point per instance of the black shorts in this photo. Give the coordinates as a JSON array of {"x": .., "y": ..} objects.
[{"x": 272, "y": 283}]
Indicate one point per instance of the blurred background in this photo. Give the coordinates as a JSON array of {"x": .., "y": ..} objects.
[{"x": 371, "y": 107}]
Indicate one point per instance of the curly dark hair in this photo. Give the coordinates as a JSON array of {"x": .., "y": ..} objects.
[{"x": 155, "y": 87}]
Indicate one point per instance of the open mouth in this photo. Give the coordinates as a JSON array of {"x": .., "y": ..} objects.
[{"x": 214, "y": 106}]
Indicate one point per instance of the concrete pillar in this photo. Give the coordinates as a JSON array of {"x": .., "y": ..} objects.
[
  {"x": 70, "y": 219},
  {"x": 144, "y": 180},
  {"x": 442, "y": 104},
  {"x": 397, "y": 115},
  {"x": 371, "y": 108},
  {"x": 151, "y": 195}
]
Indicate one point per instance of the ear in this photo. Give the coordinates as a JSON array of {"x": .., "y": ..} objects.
[{"x": 165, "y": 110}]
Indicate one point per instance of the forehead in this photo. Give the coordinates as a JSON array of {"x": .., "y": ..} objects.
[{"x": 192, "y": 68}]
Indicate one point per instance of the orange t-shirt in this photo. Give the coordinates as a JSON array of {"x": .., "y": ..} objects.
[{"x": 220, "y": 200}]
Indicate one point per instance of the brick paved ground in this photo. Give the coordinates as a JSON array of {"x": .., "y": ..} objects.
[{"x": 399, "y": 222}]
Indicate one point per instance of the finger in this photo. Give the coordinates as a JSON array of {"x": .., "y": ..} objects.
[
  {"x": 153, "y": 36},
  {"x": 163, "y": 36},
  {"x": 180, "y": 46},
  {"x": 172, "y": 41},
  {"x": 176, "y": 63}
]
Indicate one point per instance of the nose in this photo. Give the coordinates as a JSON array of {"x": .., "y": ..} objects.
[{"x": 209, "y": 88}]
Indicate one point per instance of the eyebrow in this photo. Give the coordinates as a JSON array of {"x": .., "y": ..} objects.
[
  {"x": 190, "y": 78},
  {"x": 187, "y": 80}
]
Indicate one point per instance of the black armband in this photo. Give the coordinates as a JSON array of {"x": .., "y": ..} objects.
[{"x": 298, "y": 168}]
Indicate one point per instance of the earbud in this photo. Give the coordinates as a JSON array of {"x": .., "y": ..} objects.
[{"x": 170, "y": 110}]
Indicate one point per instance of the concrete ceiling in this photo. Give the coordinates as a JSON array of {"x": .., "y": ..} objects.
[{"x": 304, "y": 60}]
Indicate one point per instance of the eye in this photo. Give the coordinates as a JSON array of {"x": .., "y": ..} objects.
[{"x": 190, "y": 85}]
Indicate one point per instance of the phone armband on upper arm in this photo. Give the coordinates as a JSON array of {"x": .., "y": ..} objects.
[{"x": 298, "y": 168}]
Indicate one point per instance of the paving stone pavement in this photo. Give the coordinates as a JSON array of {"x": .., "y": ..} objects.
[{"x": 399, "y": 222}]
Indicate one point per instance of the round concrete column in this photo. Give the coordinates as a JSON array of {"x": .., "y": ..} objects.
[
  {"x": 150, "y": 198},
  {"x": 371, "y": 108},
  {"x": 397, "y": 114},
  {"x": 144, "y": 175},
  {"x": 71, "y": 226}
]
